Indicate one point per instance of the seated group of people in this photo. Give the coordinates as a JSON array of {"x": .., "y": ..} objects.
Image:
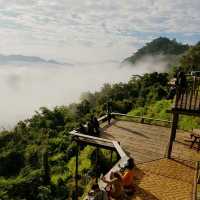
[
  {"x": 120, "y": 185},
  {"x": 92, "y": 128}
]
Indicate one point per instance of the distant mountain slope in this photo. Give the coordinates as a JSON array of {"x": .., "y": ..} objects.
[
  {"x": 6, "y": 59},
  {"x": 160, "y": 46}
]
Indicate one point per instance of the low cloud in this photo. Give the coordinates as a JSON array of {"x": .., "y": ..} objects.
[
  {"x": 149, "y": 63},
  {"x": 25, "y": 88}
]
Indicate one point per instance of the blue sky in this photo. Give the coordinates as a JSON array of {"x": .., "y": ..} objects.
[{"x": 93, "y": 31}]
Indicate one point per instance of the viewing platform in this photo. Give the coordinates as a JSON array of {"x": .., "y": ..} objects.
[
  {"x": 146, "y": 143},
  {"x": 156, "y": 177}
]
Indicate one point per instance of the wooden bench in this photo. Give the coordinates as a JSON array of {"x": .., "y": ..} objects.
[{"x": 195, "y": 136}]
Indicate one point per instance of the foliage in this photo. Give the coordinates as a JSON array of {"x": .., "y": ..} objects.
[
  {"x": 191, "y": 60},
  {"x": 189, "y": 122},
  {"x": 159, "y": 46},
  {"x": 158, "y": 110},
  {"x": 40, "y": 147}
]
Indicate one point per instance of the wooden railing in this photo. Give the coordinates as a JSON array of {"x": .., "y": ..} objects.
[
  {"x": 142, "y": 118},
  {"x": 104, "y": 143},
  {"x": 110, "y": 144},
  {"x": 188, "y": 99},
  {"x": 99, "y": 141}
]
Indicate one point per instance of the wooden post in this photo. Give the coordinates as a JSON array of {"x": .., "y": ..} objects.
[
  {"x": 76, "y": 172},
  {"x": 173, "y": 134},
  {"x": 97, "y": 163}
]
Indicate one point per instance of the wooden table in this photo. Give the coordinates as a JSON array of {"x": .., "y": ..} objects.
[{"x": 195, "y": 136}]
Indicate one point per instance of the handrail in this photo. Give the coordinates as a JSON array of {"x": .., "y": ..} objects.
[
  {"x": 75, "y": 133},
  {"x": 116, "y": 145},
  {"x": 141, "y": 117},
  {"x": 123, "y": 156},
  {"x": 104, "y": 117},
  {"x": 119, "y": 149}
]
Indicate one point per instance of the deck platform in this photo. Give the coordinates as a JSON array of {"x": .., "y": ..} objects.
[
  {"x": 157, "y": 178},
  {"x": 164, "y": 179},
  {"x": 146, "y": 143}
]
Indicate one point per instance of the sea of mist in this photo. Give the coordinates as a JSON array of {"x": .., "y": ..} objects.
[{"x": 25, "y": 87}]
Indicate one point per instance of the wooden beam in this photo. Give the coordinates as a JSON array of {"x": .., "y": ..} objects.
[
  {"x": 140, "y": 117},
  {"x": 108, "y": 146},
  {"x": 185, "y": 112},
  {"x": 97, "y": 163},
  {"x": 119, "y": 149},
  {"x": 75, "y": 133},
  {"x": 173, "y": 134}
]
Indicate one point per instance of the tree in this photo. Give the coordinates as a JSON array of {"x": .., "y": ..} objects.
[{"x": 191, "y": 60}]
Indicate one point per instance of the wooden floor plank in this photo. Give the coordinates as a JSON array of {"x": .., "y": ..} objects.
[{"x": 156, "y": 178}]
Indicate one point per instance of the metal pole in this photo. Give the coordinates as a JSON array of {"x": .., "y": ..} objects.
[
  {"x": 97, "y": 163},
  {"x": 76, "y": 172},
  {"x": 173, "y": 134}
]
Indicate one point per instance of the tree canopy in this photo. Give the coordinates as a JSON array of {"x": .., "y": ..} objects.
[
  {"x": 191, "y": 60},
  {"x": 159, "y": 46}
]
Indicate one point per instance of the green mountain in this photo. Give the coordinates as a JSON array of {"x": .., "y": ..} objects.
[{"x": 170, "y": 50}]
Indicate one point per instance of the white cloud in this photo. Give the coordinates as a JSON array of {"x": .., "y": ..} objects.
[
  {"x": 103, "y": 24},
  {"x": 25, "y": 88}
]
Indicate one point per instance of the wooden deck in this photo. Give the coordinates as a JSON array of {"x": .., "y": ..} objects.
[
  {"x": 157, "y": 178},
  {"x": 146, "y": 143},
  {"x": 164, "y": 180}
]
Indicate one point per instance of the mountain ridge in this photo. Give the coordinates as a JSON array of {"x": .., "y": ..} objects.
[
  {"x": 7, "y": 59},
  {"x": 159, "y": 46}
]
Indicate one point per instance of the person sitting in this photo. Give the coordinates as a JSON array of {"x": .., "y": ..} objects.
[
  {"x": 115, "y": 182},
  {"x": 97, "y": 194},
  {"x": 90, "y": 128},
  {"x": 109, "y": 117},
  {"x": 172, "y": 93},
  {"x": 82, "y": 129},
  {"x": 127, "y": 177},
  {"x": 96, "y": 126}
]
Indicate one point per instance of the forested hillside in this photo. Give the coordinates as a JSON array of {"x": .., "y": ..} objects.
[
  {"x": 170, "y": 50},
  {"x": 37, "y": 157}
]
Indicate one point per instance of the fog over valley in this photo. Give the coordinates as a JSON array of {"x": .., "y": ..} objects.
[{"x": 25, "y": 87}]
